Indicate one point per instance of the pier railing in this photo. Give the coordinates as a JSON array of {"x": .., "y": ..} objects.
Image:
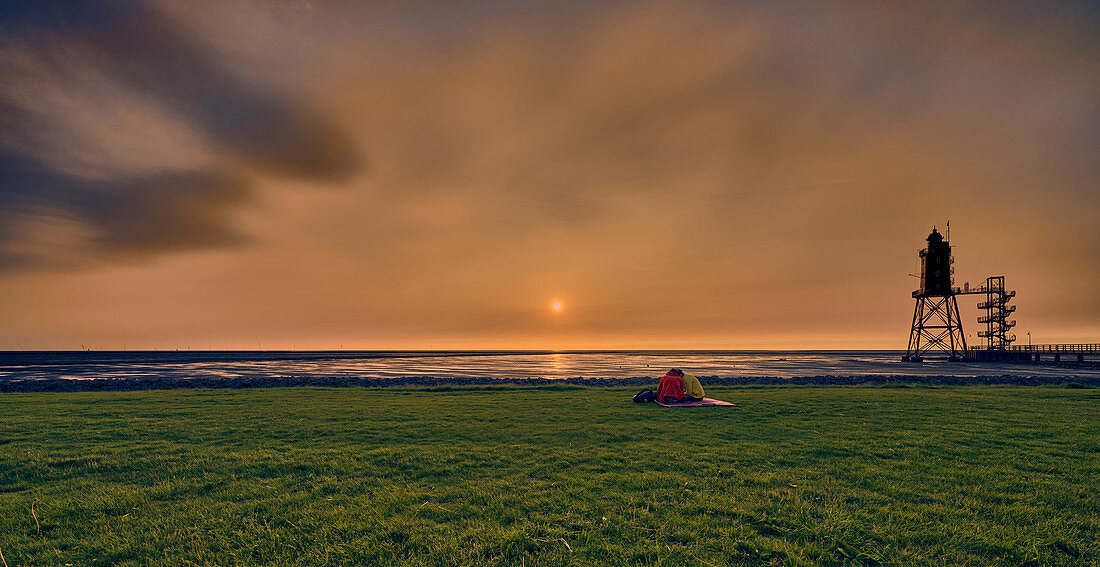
[
  {"x": 1093, "y": 348},
  {"x": 1035, "y": 353}
]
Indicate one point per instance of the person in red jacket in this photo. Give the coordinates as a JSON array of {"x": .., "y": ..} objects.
[{"x": 671, "y": 387}]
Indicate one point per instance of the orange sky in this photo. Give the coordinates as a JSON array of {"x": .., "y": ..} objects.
[{"x": 436, "y": 175}]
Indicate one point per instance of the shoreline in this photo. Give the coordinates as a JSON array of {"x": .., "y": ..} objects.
[{"x": 142, "y": 384}]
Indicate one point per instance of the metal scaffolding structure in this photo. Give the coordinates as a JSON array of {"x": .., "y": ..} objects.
[
  {"x": 936, "y": 327},
  {"x": 997, "y": 323}
]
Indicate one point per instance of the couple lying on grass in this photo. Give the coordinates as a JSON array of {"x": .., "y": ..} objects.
[{"x": 675, "y": 387}]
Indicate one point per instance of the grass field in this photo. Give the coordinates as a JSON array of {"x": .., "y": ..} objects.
[{"x": 551, "y": 476}]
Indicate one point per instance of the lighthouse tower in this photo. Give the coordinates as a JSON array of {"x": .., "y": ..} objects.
[{"x": 936, "y": 323}]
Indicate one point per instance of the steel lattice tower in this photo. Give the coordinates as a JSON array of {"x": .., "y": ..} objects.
[
  {"x": 936, "y": 322},
  {"x": 997, "y": 311}
]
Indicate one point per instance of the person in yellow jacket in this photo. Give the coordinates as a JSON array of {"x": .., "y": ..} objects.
[{"x": 693, "y": 390}]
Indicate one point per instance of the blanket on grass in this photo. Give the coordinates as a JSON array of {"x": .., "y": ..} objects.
[{"x": 702, "y": 402}]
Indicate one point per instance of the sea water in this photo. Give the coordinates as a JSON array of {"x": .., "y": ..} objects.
[{"x": 493, "y": 364}]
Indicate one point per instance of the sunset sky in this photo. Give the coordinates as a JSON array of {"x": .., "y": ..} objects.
[{"x": 436, "y": 174}]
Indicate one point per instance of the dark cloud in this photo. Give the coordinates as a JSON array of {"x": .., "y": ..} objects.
[
  {"x": 263, "y": 127},
  {"x": 141, "y": 51},
  {"x": 21, "y": 20},
  {"x": 126, "y": 219}
]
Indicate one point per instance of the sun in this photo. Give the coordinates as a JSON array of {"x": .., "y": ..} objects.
[{"x": 556, "y": 307}]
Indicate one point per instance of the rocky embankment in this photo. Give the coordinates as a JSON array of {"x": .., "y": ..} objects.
[{"x": 145, "y": 383}]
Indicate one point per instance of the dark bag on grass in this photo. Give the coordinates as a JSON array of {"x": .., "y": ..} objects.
[{"x": 646, "y": 395}]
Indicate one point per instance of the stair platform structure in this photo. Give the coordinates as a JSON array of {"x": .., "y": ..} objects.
[{"x": 997, "y": 309}]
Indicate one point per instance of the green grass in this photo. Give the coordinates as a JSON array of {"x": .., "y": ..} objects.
[{"x": 551, "y": 476}]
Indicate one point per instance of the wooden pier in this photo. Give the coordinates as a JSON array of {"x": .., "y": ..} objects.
[{"x": 1036, "y": 353}]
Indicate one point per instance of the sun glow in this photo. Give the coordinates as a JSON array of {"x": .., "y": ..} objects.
[{"x": 556, "y": 307}]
